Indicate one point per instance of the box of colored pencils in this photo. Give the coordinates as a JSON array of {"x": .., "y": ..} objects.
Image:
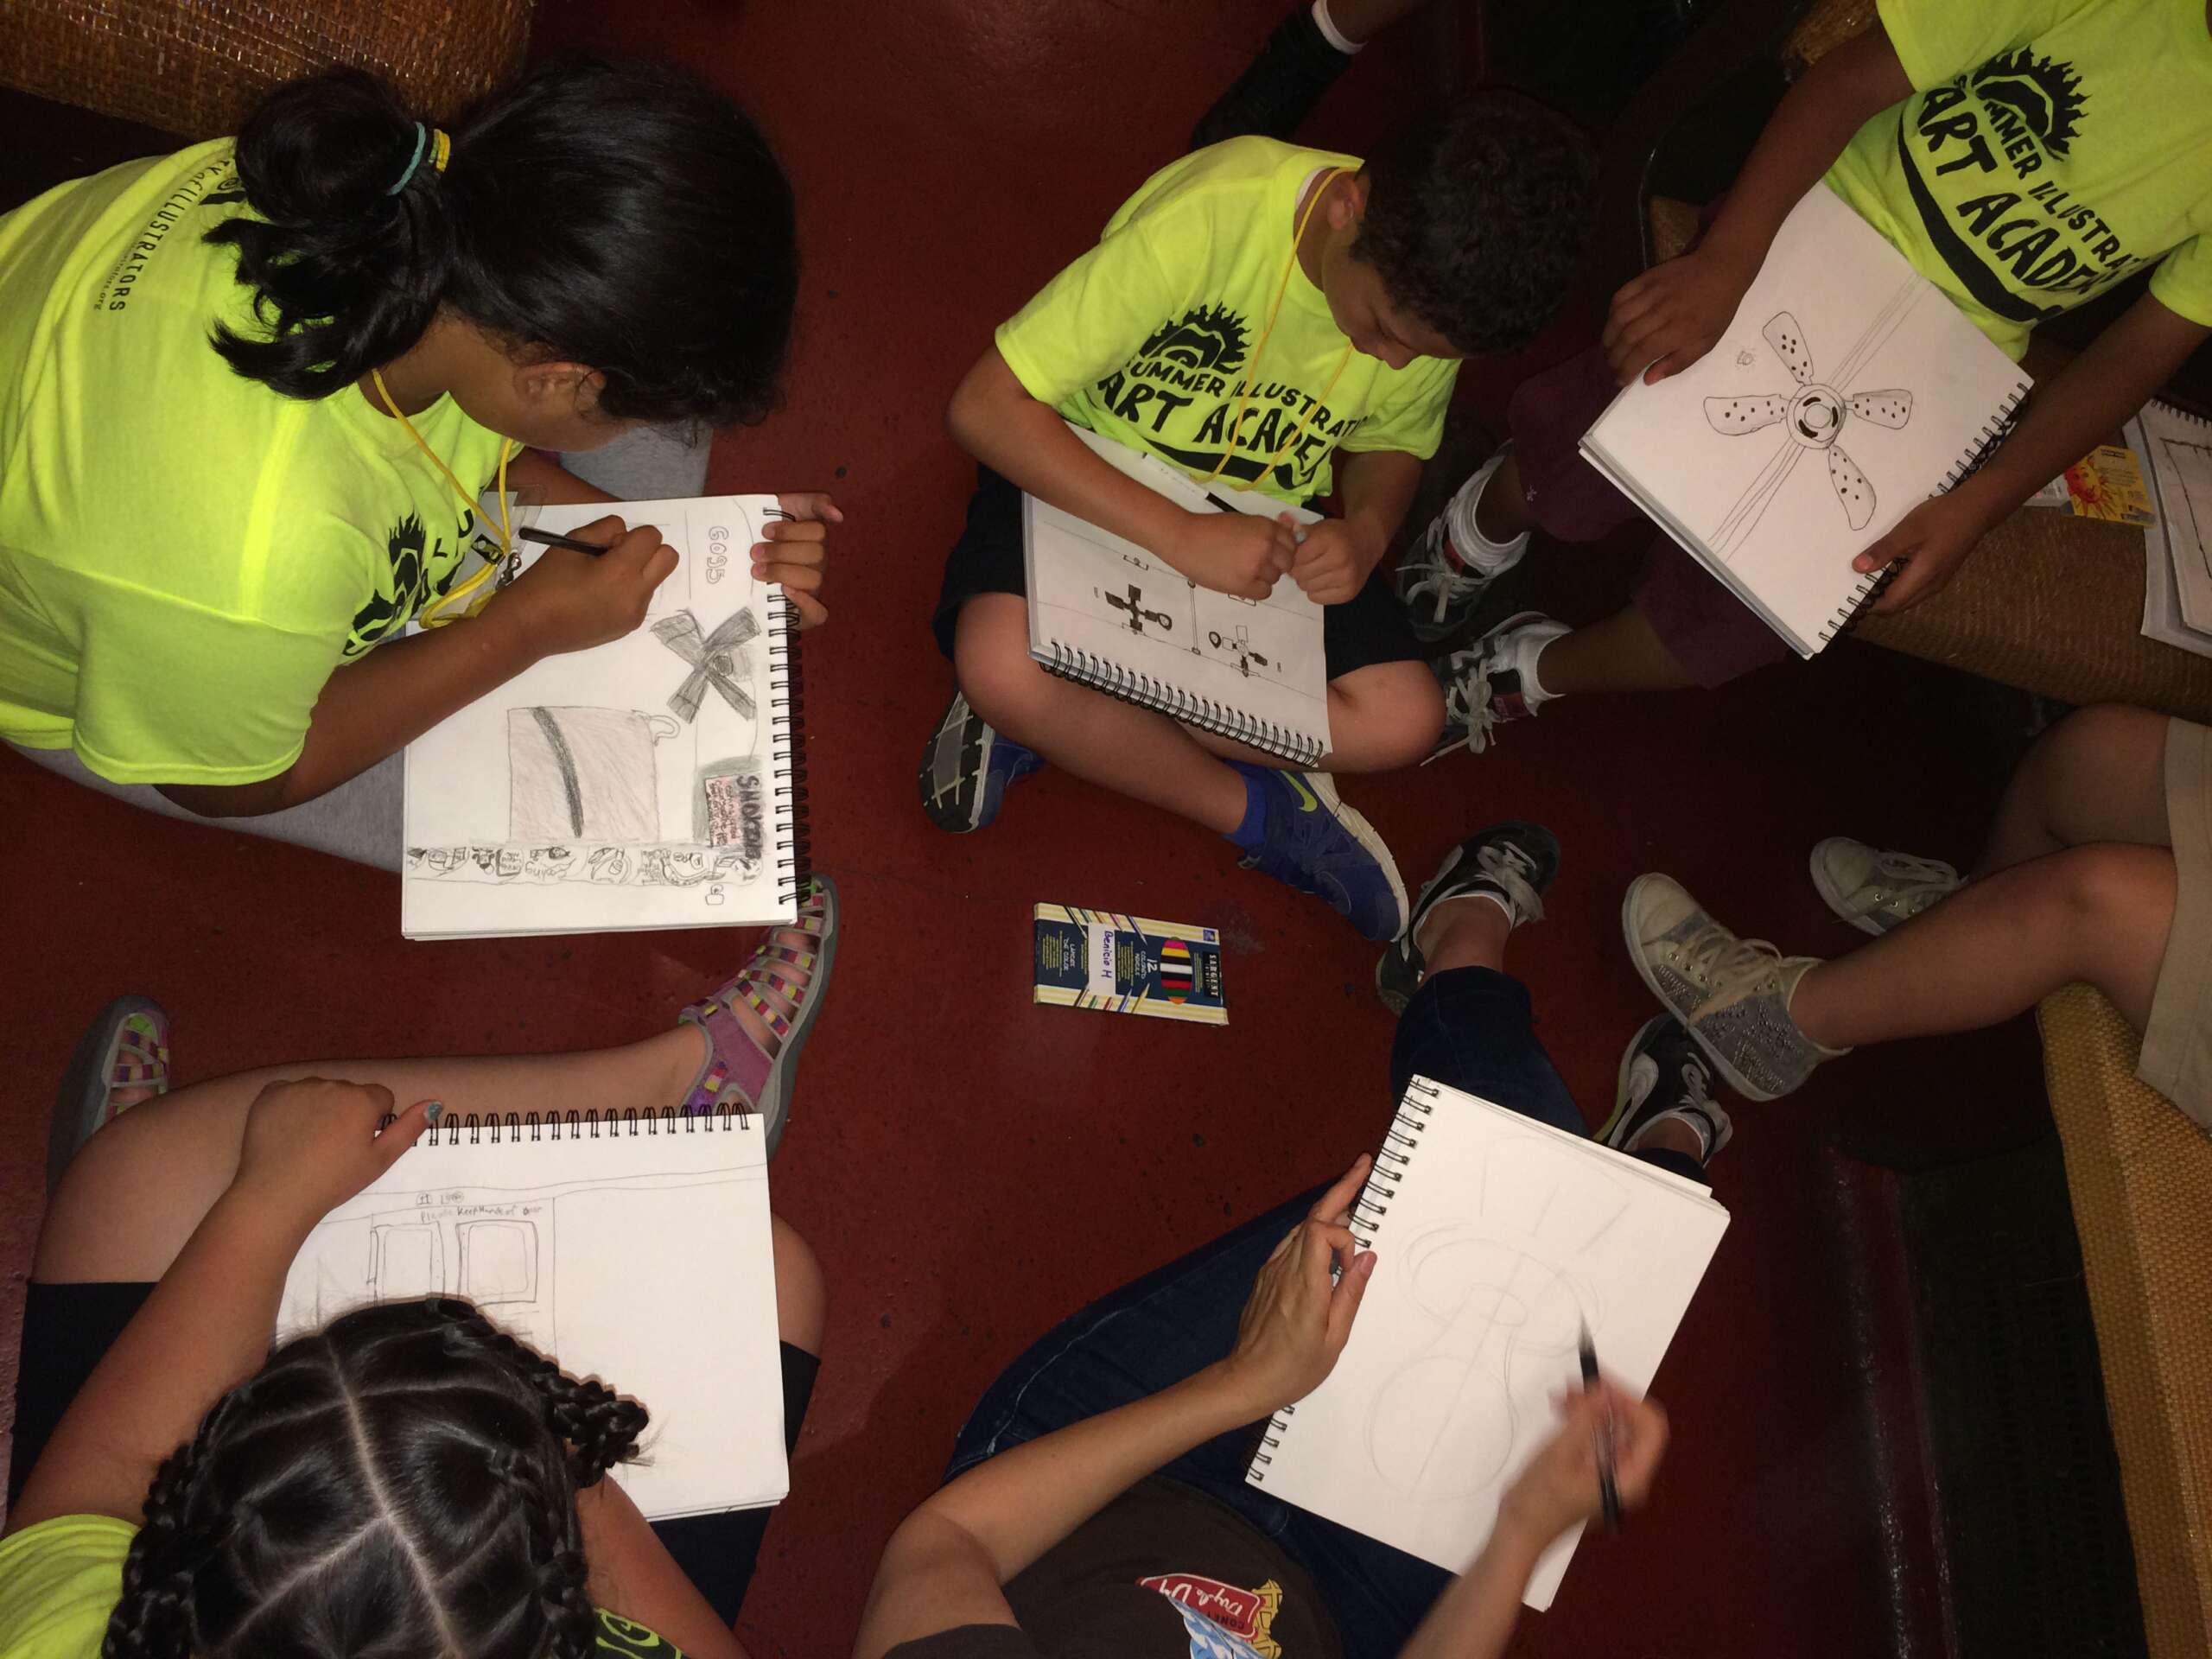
[{"x": 1129, "y": 964}]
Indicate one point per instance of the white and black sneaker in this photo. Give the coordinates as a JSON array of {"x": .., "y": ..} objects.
[
  {"x": 1665, "y": 1075},
  {"x": 966, "y": 767},
  {"x": 1513, "y": 864},
  {"x": 1444, "y": 574},
  {"x": 1493, "y": 680}
]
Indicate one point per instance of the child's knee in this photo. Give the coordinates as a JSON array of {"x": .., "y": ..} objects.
[
  {"x": 2115, "y": 887},
  {"x": 802, "y": 1295},
  {"x": 1396, "y": 714},
  {"x": 991, "y": 658}
]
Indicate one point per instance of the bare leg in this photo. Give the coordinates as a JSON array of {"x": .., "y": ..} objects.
[
  {"x": 2099, "y": 913},
  {"x": 1102, "y": 740},
  {"x": 1465, "y": 932},
  {"x": 1361, "y": 20},
  {"x": 2099, "y": 775},
  {"x": 134, "y": 1194},
  {"x": 1502, "y": 512},
  {"x": 1621, "y": 653},
  {"x": 1381, "y": 717}
]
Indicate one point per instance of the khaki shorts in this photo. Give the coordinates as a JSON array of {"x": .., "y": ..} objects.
[{"x": 2176, "y": 1057}]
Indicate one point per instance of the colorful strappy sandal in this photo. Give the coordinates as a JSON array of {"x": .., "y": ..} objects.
[
  {"x": 783, "y": 987},
  {"x": 126, "y": 1046}
]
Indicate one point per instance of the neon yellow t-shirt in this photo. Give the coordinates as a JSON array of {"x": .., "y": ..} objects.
[
  {"x": 185, "y": 554},
  {"x": 59, "y": 1581},
  {"x": 1152, "y": 337},
  {"x": 2050, "y": 148}
]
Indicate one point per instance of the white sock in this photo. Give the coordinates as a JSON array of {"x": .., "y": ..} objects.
[
  {"x": 1523, "y": 649},
  {"x": 1330, "y": 33},
  {"x": 1477, "y": 551}
]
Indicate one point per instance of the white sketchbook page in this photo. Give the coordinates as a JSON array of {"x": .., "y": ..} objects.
[
  {"x": 1092, "y": 591},
  {"x": 591, "y": 1251},
  {"x": 1502, "y": 1237},
  {"x": 1837, "y": 328},
  {"x": 2177, "y": 455},
  {"x": 683, "y": 827},
  {"x": 2162, "y": 614}
]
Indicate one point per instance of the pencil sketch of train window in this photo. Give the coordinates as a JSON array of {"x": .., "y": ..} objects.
[
  {"x": 584, "y": 774},
  {"x": 1501, "y": 1294},
  {"x": 406, "y": 1261},
  {"x": 717, "y": 660},
  {"x": 1813, "y": 418},
  {"x": 498, "y": 1261}
]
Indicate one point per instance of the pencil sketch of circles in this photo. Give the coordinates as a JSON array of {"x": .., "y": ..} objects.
[{"x": 1444, "y": 1425}]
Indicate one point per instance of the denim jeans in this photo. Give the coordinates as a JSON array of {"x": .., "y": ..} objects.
[{"x": 1469, "y": 1027}]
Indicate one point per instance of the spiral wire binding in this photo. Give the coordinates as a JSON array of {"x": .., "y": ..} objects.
[
  {"x": 1993, "y": 432},
  {"x": 1087, "y": 668},
  {"x": 794, "y": 854},
  {"x": 1392, "y": 1159},
  {"x": 491, "y": 1128}
]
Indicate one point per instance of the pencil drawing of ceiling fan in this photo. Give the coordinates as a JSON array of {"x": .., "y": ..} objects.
[{"x": 1813, "y": 419}]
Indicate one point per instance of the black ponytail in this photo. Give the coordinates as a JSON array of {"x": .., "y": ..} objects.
[
  {"x": 346, "y": 272},
  {"x": 618, "y": 215}
]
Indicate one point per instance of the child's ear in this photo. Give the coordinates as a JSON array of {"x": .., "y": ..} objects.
[
  {"x": 1348, "y": 206},
  {"x": 559, "y": 386}
]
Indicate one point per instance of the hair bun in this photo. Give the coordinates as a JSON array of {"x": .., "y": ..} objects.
[{"x": 325, "y": 150}]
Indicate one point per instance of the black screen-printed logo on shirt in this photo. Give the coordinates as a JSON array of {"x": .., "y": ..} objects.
[
  {"x": 1970, "y": 151},
  {"x": 2044, "y": 94},
  {"x": 1205, "y": 338},
  {"x": 414, "y": 555},
  {"x": 1182, "y": 389}
]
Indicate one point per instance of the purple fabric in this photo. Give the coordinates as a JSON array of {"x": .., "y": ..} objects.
[{"x": 1703, "y": 626}]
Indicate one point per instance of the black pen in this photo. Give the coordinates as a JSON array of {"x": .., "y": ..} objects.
[
  {"x": 1609, "y": 1490},
  {"x": 548, "y": 538}
]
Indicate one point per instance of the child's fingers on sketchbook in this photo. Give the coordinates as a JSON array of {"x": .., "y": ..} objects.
[
  {"x": 606, "y": 532},
  {"x": 812, "y": 612},
  {"x": 794, "y": 529},
  {"x": 788, "y": 556},
  {"x": 810, "y": 503},
  {"x": 792, "y": 578}
]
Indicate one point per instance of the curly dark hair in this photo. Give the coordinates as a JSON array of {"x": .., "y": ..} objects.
[
  {"x": 401, "y": 1482},
  {"x": 618, "y": 214},
  {"x": 1477, "y": 218}
]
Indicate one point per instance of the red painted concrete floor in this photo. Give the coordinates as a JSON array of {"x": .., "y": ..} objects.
[{"x": 969, "y": 1167}]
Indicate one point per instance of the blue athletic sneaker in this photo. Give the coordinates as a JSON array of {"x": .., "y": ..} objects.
[
  {"x": 1314, "y": 843},
  {"x": 966, "y": 766}
]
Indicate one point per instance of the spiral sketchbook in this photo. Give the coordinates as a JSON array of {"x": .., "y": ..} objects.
[
  {"x": 2176, "y": 449},
  {"x": 655, "y": 781},
  {"x": 1106, "y": 613},
  {"x": 1848, "y": 390},
  {"x": 1497, "y": 1238},
  {"x": 583, "y": 1235}
]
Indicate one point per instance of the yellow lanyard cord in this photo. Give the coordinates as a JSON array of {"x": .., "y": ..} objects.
[
  {"x": 442, "y": 609},
  {"x": 1252, "y": 375}
]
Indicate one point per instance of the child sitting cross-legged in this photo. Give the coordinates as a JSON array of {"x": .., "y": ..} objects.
[{"x": 1285, "y": 321}]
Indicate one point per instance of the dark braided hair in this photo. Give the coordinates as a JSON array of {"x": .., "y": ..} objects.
[
  {"x": 1477, "y": 217},
  {"x": 618, "y": 214},
  {"x": 400, "y": 1483}
]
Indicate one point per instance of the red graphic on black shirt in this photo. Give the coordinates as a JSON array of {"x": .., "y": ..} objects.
[{"x": 1248, "y": 1614}]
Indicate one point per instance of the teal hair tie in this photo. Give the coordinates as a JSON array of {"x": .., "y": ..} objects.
[{"x": 421, "y": 143}]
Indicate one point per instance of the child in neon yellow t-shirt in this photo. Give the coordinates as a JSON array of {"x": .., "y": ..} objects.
[
  {"x": 1289, "y": 320},
  {"x": 256, "y": 386}
]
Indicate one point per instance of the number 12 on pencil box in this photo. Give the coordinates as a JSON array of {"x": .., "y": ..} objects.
[{"x": 1129, "y": 964}]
